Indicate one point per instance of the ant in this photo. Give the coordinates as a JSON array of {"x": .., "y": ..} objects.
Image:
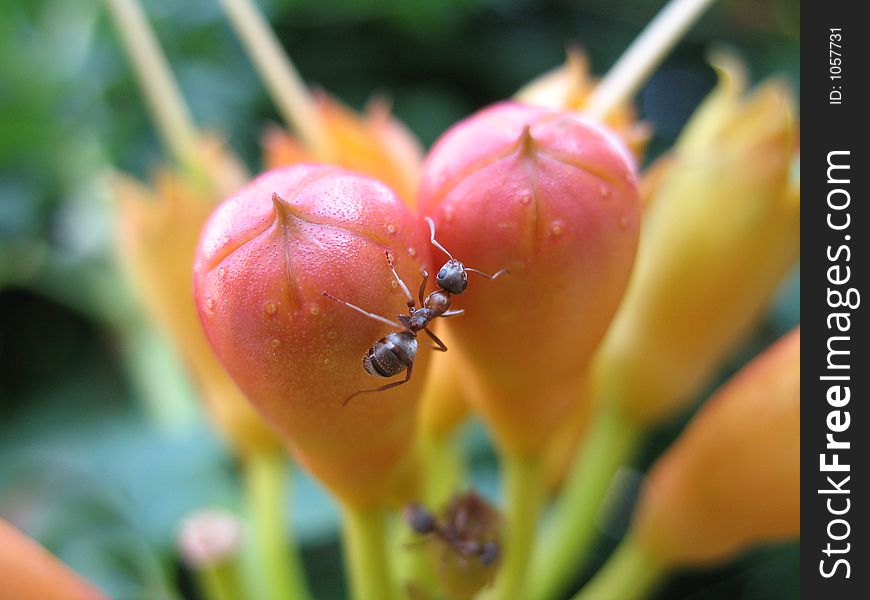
[
  {"x": 396, "y": 351},
  {"x": 470, "y": 527}
]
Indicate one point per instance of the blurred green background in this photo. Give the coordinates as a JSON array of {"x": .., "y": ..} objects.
[{"x": 102, "y": 446}]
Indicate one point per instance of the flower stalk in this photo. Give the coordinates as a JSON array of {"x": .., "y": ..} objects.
[
  {"x": 280, "y": 76},
  {"x": 170, "y": 114},
  {"x": 277, "y": 565},
  {"x": 649, "y": 48},
  {"x": 572, "y": 528},
  {"x": 366, "y": 559},
  {"x": 630, "y": 574}
]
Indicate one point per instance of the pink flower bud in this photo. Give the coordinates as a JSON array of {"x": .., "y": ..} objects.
[
  {"x": 554, "y": 199},
  {"x": 265, "y": 259}
]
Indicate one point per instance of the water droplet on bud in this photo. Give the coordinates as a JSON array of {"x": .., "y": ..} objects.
[{"x": 391, "y": 229}]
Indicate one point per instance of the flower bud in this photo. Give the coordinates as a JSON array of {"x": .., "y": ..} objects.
[
  {"x": 374, "y": 144},
  {"x": 265, "y": 260},
  {"x": 29, "y": 572},
  {"x": 553, "y": 199},
  {"x": 210, "y": 537},
  {"x": 157, "y": 234},
  {"x": 720, "y": 232},
  {"x": 732, "y": 479}
]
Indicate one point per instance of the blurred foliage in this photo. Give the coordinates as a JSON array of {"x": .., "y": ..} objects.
[{"x": 101, "y": 446}]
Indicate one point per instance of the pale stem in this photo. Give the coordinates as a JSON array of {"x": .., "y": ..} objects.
[
  {"x": 365, "y": 553},
  {"x": 525, "y": 495},
  {"x": 630, "y": 574},
  {"x": 283, "y": 81},
  {"x": 636, "y": 64},
  {"x": 279, "y": 571},
  {"x": 169, "y": 112},
  {"x": 572, "y": 528}
]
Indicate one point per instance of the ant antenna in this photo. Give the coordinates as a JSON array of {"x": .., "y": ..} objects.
[
  {"x": 433, "y": 240},
  {"x": 495, "y": 275}
]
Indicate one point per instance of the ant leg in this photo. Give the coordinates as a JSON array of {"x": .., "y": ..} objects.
[
  {"x": 452, "y": 313},
  {"x": 399, "y": 279},
  {"x": 425, "y": 274},
  {"x": 495, "y": 275},
  {"x": 383, "y": 387},
  {"x": 441, "y": 347},
  {"x": 432, "y": 237},
  {"x": 393, "y": 324}
]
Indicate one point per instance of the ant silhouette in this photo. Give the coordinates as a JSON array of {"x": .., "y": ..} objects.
[
  {"x": 395, "y": 352},
  {"x": 468, "y": 527}
]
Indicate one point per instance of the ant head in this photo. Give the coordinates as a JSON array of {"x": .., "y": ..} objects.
[
  {"x": 419, "y": 519},
  {"x": 452, "y": 277},
  {"x": 490, "y": 553}
]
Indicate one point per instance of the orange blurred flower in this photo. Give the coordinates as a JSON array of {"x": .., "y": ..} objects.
[
  {"x": 732, "y": 479},
  {"x": 374, "y": 144},
  {"x": 157, "y": 233},
  {"x": 29, "y": 572}
]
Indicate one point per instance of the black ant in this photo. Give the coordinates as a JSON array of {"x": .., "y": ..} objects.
[
  {"x": 470, "y": 527},
  {"x": 395, "y": 352}
]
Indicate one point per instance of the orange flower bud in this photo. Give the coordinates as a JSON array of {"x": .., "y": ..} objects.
[
  {"x": 157, "y": 234},
  {"x": 720, "y": 232},
  {"x": 569, "y": 87},
  {"x": 554, "y": 199},
  {"x": 29, "y": 572},
  {"x": 375, "y": 144},
  {"x": 732, "y": 479},
  {"x": 265, "y": 259}
]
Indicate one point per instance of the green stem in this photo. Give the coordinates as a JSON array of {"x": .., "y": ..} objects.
[
  {"x": 279, "y": 573},
  {"x": 645, "y": 53},
  {"x": 630, "y": 574},
  {"x": 365, "y": 552},
  {"x": 221, "y": 581},
  {"x": 283, "y": 81},
  {"x": 572, "y": 529},
  {"x": 525, "y": 494},
  {"x": 168, "y": 109},
  {"x": 444, "y": 468}
]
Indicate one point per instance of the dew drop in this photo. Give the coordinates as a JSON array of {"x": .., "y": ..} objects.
[
  {"x": 314, "y": 310},
  {"x": 525, "y": 199},
  {"x": 391, "y": 229},
  {"x": 209, "y": 303},
  {"x": 271, "y": 308},
  {"x": 604, "y": 191},
  {"x": 275, "y": 343},
  {"x": 448, "y": 215},
  {"x": 222, "y": 273},
  {"x": 326, "y": 362},
  {"x": 412, "y": 252},
  {"x": 394, "y": 283},
  {"x": 332, "y": 334},
  {"x": 557, "y": 228}
]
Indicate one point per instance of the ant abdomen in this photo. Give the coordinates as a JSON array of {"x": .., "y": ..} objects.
[{"x": 391, "y": 355}]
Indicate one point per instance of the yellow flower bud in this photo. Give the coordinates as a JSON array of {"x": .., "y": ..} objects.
[
  {"x": 732, "y": 479},
  {"x": 29, "y": 572},
  {"x": 721, "y": 230},
  {"x": 157, "y": 234}
]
